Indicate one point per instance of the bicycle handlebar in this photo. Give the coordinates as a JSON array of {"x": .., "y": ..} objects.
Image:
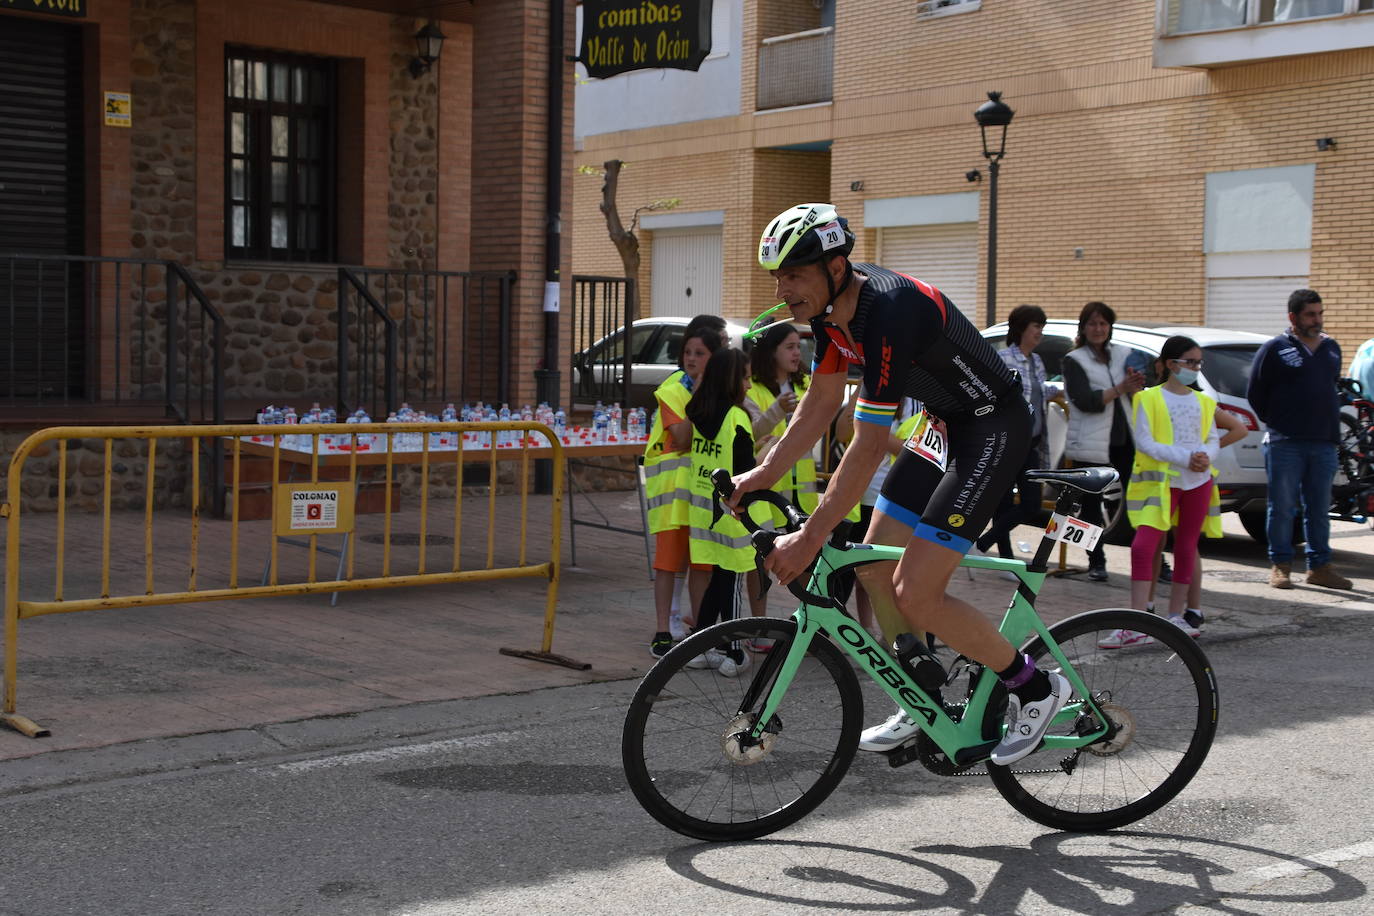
[{"x": 763, "y": 540}]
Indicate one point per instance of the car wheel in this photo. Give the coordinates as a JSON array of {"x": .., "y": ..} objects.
[{"x": 1254, "y": 522}]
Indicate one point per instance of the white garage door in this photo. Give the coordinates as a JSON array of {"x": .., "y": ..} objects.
[
  {"x": 944, "y": 255},
  {"x": 686, "y": 272},
  {"x": 1258, "y": 304}
]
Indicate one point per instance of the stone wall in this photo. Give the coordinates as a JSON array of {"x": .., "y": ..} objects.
[{"x": 282, "y": 326}]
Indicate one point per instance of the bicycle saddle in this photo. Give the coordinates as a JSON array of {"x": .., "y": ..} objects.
[{"x": 1089, "y": 480}]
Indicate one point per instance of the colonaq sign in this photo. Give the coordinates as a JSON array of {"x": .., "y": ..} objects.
[{"x": 623, "y": 35}]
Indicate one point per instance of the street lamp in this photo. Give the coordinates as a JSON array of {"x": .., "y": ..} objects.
[{"x": 996, "y": 114}]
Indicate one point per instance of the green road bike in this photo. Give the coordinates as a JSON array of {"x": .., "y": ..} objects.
[{"x": 720, "y": 758}]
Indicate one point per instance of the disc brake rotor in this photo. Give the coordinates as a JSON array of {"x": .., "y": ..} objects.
[
  {"x": 1123, "y": 724},
  {"x": 739, "y": 748}
]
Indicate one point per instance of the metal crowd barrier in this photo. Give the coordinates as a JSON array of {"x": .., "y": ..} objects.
[{"x": 315, "y": 475}]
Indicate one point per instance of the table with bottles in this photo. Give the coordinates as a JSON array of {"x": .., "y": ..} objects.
[{"x": 370, "y": 446}]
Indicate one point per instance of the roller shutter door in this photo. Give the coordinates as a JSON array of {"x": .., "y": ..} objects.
[
  {"x": 1258, "y": 304},
  {"x": 41, "y": 205},
  {"x": 944, "y": 255}
]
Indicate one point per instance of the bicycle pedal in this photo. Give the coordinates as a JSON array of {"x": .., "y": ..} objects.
[{"x": 904, "y": 754}]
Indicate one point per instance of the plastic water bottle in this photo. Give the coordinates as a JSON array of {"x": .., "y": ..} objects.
[
  {"x": 636, "y": 430},
  {"x": 560, "y": 424},
  {"x": 600, "y": 425},
  {"x": 505, "y": 437},
  {"x": 614, "y": 421}
]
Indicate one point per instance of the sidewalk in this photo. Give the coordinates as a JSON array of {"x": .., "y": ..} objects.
[{"x": 106, "y": 677}]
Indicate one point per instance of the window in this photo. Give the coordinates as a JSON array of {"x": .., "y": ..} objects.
[
  {"x": 928, "y": 9},
  {"x": 1201, "y": 15},
  {"x": 279, "y": 156}
]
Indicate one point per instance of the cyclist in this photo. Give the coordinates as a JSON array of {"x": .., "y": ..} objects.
[{"x": 911, "y": 342}]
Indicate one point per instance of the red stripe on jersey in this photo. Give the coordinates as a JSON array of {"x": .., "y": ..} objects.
[{"x": 935, "y": 295}]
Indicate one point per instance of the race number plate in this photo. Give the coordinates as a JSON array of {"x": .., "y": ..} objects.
[
  {"x": 1073, "y": 531},
  {"x": 929, "y": 440}
]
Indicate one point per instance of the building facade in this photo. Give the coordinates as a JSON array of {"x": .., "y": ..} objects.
[
  {"x": 260, "y": 146},
  {"x": 1188, "y": 162}
]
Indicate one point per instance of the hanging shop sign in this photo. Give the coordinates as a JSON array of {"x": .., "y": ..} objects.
[
  {"x": 623, "y": 35},
  {"x": 52, "y": 7}
]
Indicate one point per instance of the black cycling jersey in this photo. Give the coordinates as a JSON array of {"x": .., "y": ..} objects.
[{"x": 913, "y": 342}]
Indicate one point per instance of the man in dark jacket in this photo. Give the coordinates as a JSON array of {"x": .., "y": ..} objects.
[{"x": 1293, "y": 390}]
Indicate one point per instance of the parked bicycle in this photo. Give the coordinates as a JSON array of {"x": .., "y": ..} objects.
[
  {"x": 1352, "y": 491},
  {"x": 731, "y": 759}
]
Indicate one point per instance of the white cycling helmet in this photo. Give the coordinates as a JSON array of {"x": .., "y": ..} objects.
[{"x": 804, "y": 234}]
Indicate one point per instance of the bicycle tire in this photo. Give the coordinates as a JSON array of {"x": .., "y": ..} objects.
[
  {"x": 692, "y": 776},
  {"x": 1163, "y": 698}
]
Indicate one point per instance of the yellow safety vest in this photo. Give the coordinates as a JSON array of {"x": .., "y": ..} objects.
[
  {"x": 799, "y": 483},
  {"x": 726, "y": 543},
  {"x": 664, "y": 471},
  {"x": 1147, "y": 495}
]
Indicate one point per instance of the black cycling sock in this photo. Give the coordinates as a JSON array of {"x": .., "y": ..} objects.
[{"x": 1025, "y": 680}]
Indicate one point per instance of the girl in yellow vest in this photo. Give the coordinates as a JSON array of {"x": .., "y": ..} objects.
[
  {"x": 721, "y": 438},
  {"x": 1172, "y": 485},
  {"x": 777, "y": 384},
  {"x": 666, "y": 462}
]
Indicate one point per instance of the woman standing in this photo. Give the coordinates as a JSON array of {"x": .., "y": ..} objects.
[
  {"x": 1025, "y": 330},
  {"x": 721, "y": 438},
  {"x": 1172, "y": 482},
  {"x": 666, "y": 461},
  {"x": 1099, "y": 386}
]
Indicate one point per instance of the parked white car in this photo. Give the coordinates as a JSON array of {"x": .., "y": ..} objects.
[{"x": 1226, "y": 357}]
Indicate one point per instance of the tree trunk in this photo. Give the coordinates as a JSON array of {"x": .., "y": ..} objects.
[{"x": 626, "y": 242}]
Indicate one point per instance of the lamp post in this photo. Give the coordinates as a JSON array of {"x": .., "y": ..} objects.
[{"x": 996, "y": 114}]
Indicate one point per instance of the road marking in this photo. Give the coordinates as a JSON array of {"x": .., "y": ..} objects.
[
  {"x": 1311, "y": 863},
  {"x": 387, "y": 754}
]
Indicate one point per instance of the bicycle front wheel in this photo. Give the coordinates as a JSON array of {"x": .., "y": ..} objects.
[
  {"x": 686, "y": 747},
  {"x": 1161, "y": 699}
]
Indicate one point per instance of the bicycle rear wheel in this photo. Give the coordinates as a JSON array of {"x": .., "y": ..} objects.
[
  {"x": 685, "y": 748},
  {"x": 1161, "y": 698}
]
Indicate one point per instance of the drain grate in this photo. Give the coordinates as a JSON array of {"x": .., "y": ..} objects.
[{"x": 407, "y": 539}]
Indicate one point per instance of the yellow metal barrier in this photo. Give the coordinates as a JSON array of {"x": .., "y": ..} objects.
[{"x": 330, "y": 446}]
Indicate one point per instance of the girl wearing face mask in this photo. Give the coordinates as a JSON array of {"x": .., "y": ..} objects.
[{"x": 1175, "y": 430}]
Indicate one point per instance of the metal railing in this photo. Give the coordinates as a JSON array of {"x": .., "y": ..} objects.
[
  {"x": 796, "y": 69},
  {"x": 422, "y": 337},
  {"x": 137, "y": 546},
  {"x": 601, "y": 367},
  {"x": 83, "y": 329}
]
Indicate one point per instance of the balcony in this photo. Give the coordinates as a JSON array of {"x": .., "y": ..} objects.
[
  {"x": 1215, "y": 33},
  {"x": 796, "y": 69}
]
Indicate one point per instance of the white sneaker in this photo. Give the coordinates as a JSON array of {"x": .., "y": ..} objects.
[
  {"x": 898, "y": 729},
  {"x": 1178, "y": 621},
  {"x": 675, "y": 627},
  {"x": 711, "y": 658},
  {"x": 731, "y": 668},
  {"x": 1121, "y": 639},
  {"x": 1027, "y": 725}
]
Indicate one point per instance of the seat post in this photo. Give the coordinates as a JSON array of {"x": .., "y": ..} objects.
[{"x": 1069, "y": 502}]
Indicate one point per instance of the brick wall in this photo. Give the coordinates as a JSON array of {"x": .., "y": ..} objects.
[{"x": 509, "y": 171}]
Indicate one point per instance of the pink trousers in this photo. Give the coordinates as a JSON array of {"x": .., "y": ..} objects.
[{"x": 1192, "y": 512}]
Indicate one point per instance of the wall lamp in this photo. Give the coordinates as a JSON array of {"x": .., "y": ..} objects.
[
  {"x": 973, "y": 175},
  {"x": 1326, "y": 143},
  {"x": 429, "y": 41}
]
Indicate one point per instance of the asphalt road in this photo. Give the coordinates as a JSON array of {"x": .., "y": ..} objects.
[{"x": 524, "y": 809}]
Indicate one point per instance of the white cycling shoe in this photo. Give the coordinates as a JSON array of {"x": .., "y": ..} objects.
[
  {"x": 1027, "y": 724},
  {"x": 897, "y": 730}
]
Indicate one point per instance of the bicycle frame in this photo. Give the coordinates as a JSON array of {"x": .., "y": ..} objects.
[{"x": 962, "y": 741}]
